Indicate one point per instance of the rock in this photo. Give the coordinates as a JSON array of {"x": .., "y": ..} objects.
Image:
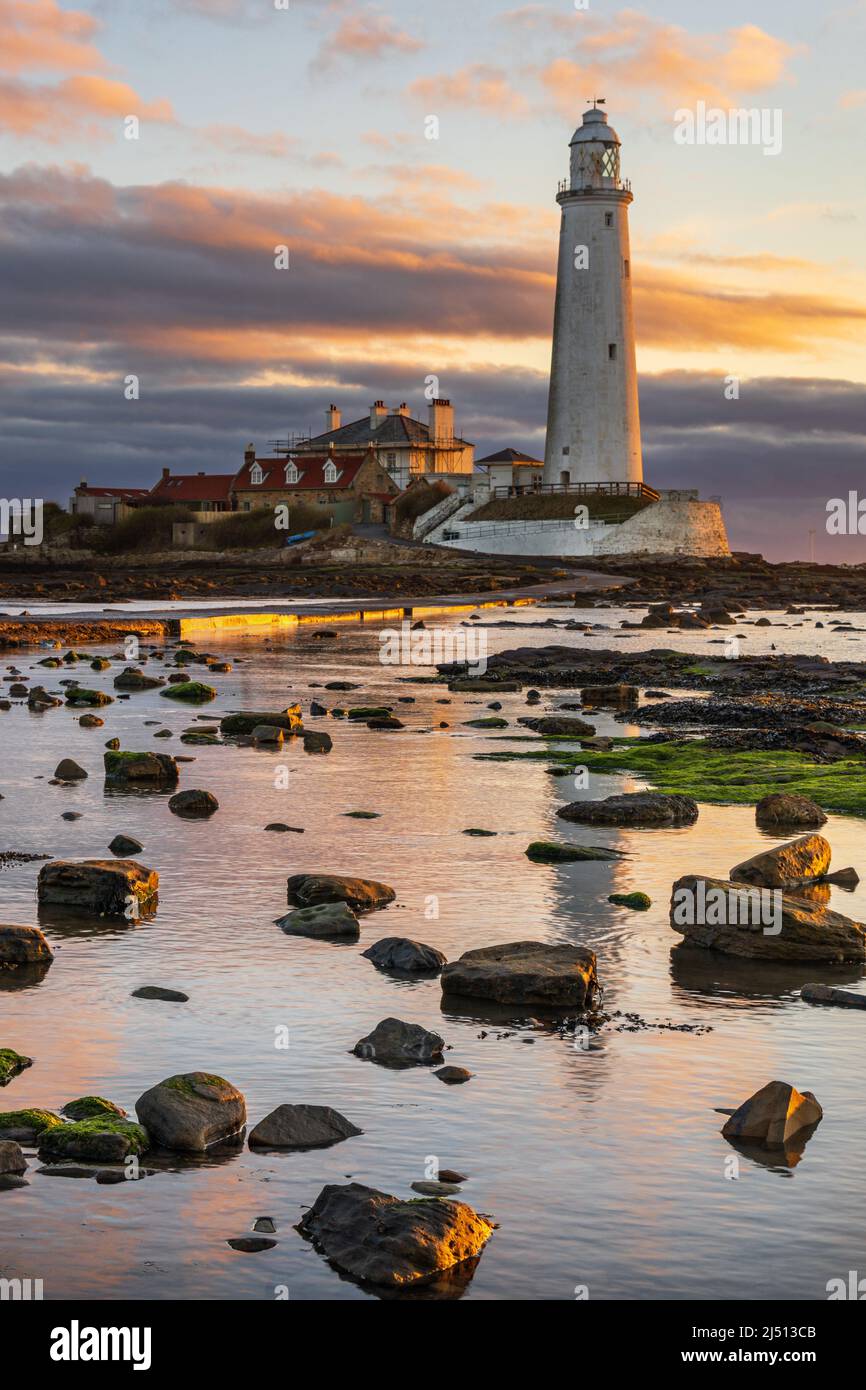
[
  {"x": 25, "y": 1126},
  {"x": 124, "y": 845},
  {"x": 11, "y": 1063},
  {"x": 489, "y": 721},
  {"x": 322, "y": 920},
  {"x": 268, "y": 733},
  {"x": 808, "y": 932},
  {"x": 844, "y": 878},
  {"x": 367, "y": 712},
  {"x": 91, "y": 721},
  {"x": 639, "y": 902},
  {"x": 244, "y": 722},
  {"x": 609, "y": 695},
  {"x": 169, "y": 996},
  {"x": 12, "y": 1159},
  {"x": 402, "y": 954},
  {"x": 363, "y": 895},
  {"x": 97, "y": 885},
  {"x": 251, "y": 1245},
  {"x": 194, "y": 692},
  {"x": 559, "y": 724},
  {"x": 23, "y": 946},
  {"x": 67, "y": 770},
  {"x": 436, "y": 1189},
  {"x": 192, "y": 1111},
  {"x": 479, "y": 833},
  {"x": 786, "y": 866},
  {"x": 395, "y": 1043},
  {"x": 77, "y": 695},
  {"x": 633, "y": 808},
  {"x": 281, "y": 827},
  {"x": 785, "y": 809},
  {"x": 773, "y": 1115},
  {"x": 824, "y": 994},
  {"x": 379, "y": 1239},
  {"x": 133, "y": 679},
  {"x": 90, "y": 1107},
  {"x": 70, "y": 815},
  {"x": 193, "y": 804},
  {"x": 103, "y": 1139},
  {"x": 316, "y": 742},
  {"x": 453, "y": 1076},
  {"x": 155, "y": 769},
  {"x": 523, "y": 972},
  {"x": 551, "y": 852},
  {"x": 385, "y": 721},
  {"x": 302, "y": 1127}
]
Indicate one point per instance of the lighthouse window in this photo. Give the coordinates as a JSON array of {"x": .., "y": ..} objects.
[
  {"x": 611, "y": 351},
  {"x": 610, "y": 163},
  {"x": 626, "y": 269},
  {"x": 608, "y": 219}
]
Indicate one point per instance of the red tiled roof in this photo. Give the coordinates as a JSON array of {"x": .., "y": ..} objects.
[
  {"x": 111, "y": 491},
  {"x": 311, "y": 473},
  {"x": 193, "y": 487}
]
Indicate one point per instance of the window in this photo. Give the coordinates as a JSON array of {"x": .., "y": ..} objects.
[
  {"x": 608, "y": 219},
  {"x": 390, "y": 460},
  {"x": 610, "y": 163},
  {"x": 611, "y": 351},
  {"x": 626, "y": 269},
  {"x": 330, "y": 472},
  {"x": 291, "y": 472},
  {"x": 564, "y": 478},
  {"x": 255, "y": 475},
  {"x": 567, "y": 449},
  {"x": 248, "y": 506}
]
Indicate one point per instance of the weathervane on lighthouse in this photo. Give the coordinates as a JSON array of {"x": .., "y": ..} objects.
[{"x": 593, "y": 420}]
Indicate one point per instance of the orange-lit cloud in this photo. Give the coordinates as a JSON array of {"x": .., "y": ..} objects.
[
  {"x": 38, "y": 34},
  {"x": 478, "y": 85},
  {"x": 367, "y": 35},
  {"x": 74, "y": 105}
]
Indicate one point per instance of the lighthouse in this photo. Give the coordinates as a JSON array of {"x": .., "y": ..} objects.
[{"x": 593, "y": 420}]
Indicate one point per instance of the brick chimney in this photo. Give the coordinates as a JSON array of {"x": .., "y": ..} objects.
[
  {"x": 166, "y": 474},
  {"x": 441, "y": 421},
  {"x": 377, "y": 414},
  {"x": 249, "y": 455},
  {"x": 333, "y": 418},
  {"x": 402, "y": 409}
]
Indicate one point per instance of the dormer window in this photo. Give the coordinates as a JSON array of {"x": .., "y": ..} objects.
[
  {"x": 330, "y": 471},
  {"x": 256, "y": 475},
  {"x": 291, "y": 472}
]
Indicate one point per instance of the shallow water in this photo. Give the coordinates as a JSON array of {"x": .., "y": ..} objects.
[{"x": 604, "y": 1166}]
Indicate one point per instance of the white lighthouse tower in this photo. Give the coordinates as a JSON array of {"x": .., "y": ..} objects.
[{"x": 593, "y": 421}]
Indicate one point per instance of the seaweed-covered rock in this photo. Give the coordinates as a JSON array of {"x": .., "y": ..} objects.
[
  {"x": 638, "y": 902},
  {"x": 97, "y": 885},
  {"x": 134, "y": 679},
  {"x": 395, "y": 1043},
  {"x": 558, "y": 725},
  {"x": 553, "y": 852},
  {"x": 302, "y": 1127},
  {"x": 23, "y": 946},
  {"x": 191, "y": 1111},
  {"x": 379, "y": 1239},
  {"x": 786, "y": 866},
  {"x": 633, "y": 809},
  {"x": 140, "y": 769},
  {"x": 77, "y": 695},
  {"x": 400, "y": 953},
  {"x": 362, "y": 895},
  {"x": 323, "y": 920},
  {"x": 315, "y": 742},
  {"x": 245, "y": 721},
  {"x": 193, "y": 692},
  {"x": 11, "y": 1063},
  {"x": 773, "y": 1115},
  {"x": 525, "y": 972},
  {"x": 90, "y": 1108},
  {"x": 102, "y": 1139},
  {"x": 25, "y": 1126}
]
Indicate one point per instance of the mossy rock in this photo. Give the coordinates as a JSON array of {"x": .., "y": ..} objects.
[
  {"x": 195, "y": 692},
  {"x": 362, "y": 815},
  {"x": 102, "y": 1139},
  {"x": 26, "y": 1125},
  {"x": 11, "y": 1063},
  {"x": 369, "y": 712},
  {"x": 551, "y": 852},
  {"x": 78, "y": 695},
  {"x": 474, "y": 830},
  {"x": 490, "y": 721},
  {"x": 88, "y": 1107},
  {"x": 639, "y": 902},
  {"x": 723, "y": 776}
]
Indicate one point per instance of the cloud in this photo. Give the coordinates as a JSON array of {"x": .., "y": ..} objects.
[
  {"x": 74, "y": 106},
  {"x": 38, "y": 34},
  {"x": 478, "y": 85},
  {"x": 364, "y": 37}
]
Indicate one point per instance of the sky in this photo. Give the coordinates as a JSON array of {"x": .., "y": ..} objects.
[{"x": 306, "y": 124}]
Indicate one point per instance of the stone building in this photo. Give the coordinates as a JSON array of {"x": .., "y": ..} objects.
[
  {"x": 404, "y": 446},
  {"x": 352, "y": 486}
]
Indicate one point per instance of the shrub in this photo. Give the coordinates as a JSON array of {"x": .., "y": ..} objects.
[
  {"x": 147, "y": 528},
  {"x": 241, "y": 530},
  {"x": 419, "y": 498}
]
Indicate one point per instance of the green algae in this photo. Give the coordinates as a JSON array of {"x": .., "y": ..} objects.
[
  {"x": 33, "y": 1119},
  {"x": 93, "y": 1139},
  {"x": 723, "y": 776},
  {"x": 194, "y": 691},
  {"x": 11, "y": 1063},
  {"x": 88, "y": 1107},
  {"x": 639, "y": 902}
]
